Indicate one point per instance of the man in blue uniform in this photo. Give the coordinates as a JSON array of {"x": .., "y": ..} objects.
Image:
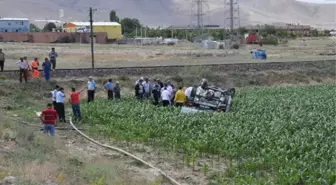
[{"x": 46, "y": 69}]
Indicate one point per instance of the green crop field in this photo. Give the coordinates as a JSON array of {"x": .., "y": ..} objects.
[{"x": 282, "y": 135}]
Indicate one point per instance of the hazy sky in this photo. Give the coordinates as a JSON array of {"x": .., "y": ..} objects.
[{"x": 319, "y": 1}]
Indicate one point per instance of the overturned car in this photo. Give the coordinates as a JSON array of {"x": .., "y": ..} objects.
[{"x": 209, "y": 98}]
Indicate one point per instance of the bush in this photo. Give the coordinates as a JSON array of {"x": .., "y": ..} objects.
[
  {"x": 270, "y": 42},
  {"x": 235, "y": 46}
]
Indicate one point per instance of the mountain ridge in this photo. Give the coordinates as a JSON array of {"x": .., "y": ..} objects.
[{"x": 174, "y": 12}]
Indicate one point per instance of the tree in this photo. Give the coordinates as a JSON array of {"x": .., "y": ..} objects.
[
  {"x": 113, "y": 16},
  {"x": 130, "y": 25},
  {"x": 34, "y": 28},
  {"x": 49, "y": 27}
]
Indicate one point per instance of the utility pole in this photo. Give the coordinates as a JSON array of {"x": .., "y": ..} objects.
[
  {"x": 199, "y": 14},
  {"x": 91, "y": 36}
]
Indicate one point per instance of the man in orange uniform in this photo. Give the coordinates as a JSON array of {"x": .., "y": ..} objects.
[
  {"x": 34, "y": 65},
  {"x": 74, "y": 101}
]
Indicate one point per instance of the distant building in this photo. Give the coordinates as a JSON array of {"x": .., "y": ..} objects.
[
  {"x": 14, "y": 25},
  {"x": 113, "y": 29}
]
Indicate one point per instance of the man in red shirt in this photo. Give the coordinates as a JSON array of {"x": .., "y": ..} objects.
[
  {"x": 74, "y": 101},
  {"x": 49, "y": 117}
]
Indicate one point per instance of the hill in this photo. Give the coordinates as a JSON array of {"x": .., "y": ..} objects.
[{"x": 174, "y": 12}]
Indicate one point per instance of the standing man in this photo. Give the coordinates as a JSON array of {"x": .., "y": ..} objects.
[
  {"x": 165, "y": 96},
  {"x": 147, "y": 88},
  {"x": 52, "y": 56},
  {"x": 53, "y": 95},
  {"x": 156, "y": 92},
  {"x": 180, "y": 98},
  {"x": 187, "y": 93},
  {"x": 116, "y": 90},
  {"x": 35, "y": 71},
  {"x": 139, "y": 90},
  {"x": 2, "y": 60},
  {"x": 60, "y": 104},
  {"x": 46, "y": 69},
  {"x": 91, "y": 89},
  {"x": 23, "y": 69},
  {"x": 49, "y": 119},
  {"x": 25, "y": 59},
  {"x": 109, "y": 88},
  {"x": 74, "y": 101}
]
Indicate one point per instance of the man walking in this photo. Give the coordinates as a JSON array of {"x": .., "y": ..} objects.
[
  {"x": 46, "y": 69},
  {"x": 23, "y": 69},
  {"x": 91, "y": 89},
  {"x": 52, "y": 56},
  {"x": 74, "y": 101},
  {"x": 53, "y": 95},
  {"x": 109, "y": 88},
  {"x": 2, "y": 60},
  {"x": 60, "y": 104},
  {"x": 49, "y": 119}
]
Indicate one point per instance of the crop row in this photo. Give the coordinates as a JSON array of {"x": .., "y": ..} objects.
[{"x": 282, "y": 135}]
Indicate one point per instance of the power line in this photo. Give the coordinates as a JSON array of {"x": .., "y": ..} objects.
[
  {"x": 91, "y": 35},
  {"x": 232, "y": 16}
]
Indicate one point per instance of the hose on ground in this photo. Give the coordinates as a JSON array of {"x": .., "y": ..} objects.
[{"x": 126, "y": 153}]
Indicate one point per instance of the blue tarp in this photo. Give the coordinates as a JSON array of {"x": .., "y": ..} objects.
[{"x": 259, "y": 54}]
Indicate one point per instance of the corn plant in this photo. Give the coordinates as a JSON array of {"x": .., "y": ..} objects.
[{"x": 280, "y": 135}]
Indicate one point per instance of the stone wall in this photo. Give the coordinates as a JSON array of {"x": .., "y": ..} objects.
[
  {"x": 51, "y": 37},
  {"x": 173, "y": 70}
]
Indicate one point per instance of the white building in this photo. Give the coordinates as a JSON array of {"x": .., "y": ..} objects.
[{"x": 14, "y": 25}]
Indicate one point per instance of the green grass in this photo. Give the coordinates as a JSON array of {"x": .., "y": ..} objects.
[{"x": 282, "y": 135}]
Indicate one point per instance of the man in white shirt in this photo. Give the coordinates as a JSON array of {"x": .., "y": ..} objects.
[
  {"x": 188, "y": 92},
  {"x": 91, "y": 89},
  {"x": 53, "y": 96},
  {"x": 147, "y": 88},
  {"x": 60, "y": 104},
  {"x": 23, "y": 66},
  {"x": 166, "y": 97}
]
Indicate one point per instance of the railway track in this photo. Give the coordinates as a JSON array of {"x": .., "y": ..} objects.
[{"x": 173, "y": 69}]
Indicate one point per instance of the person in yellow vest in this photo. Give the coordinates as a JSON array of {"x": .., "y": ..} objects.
[
  {"x": 180, "y": 98},
  {"x": 35, "y": 71}
]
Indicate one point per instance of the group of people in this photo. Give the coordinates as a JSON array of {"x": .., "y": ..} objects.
[
  {"x": 166, "y": 93},
  {"x": 56, "y": 110},
  {"x": 28, "y": 71}
]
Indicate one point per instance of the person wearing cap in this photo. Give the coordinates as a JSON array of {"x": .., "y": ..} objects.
[
  {"x": 116, "y": 90},
  {"x": 109, "y": 88},
  {"x": 91, "y": 89},
  {"x": 141, "y": 78},
  {"x": 139, "y": 90}
]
